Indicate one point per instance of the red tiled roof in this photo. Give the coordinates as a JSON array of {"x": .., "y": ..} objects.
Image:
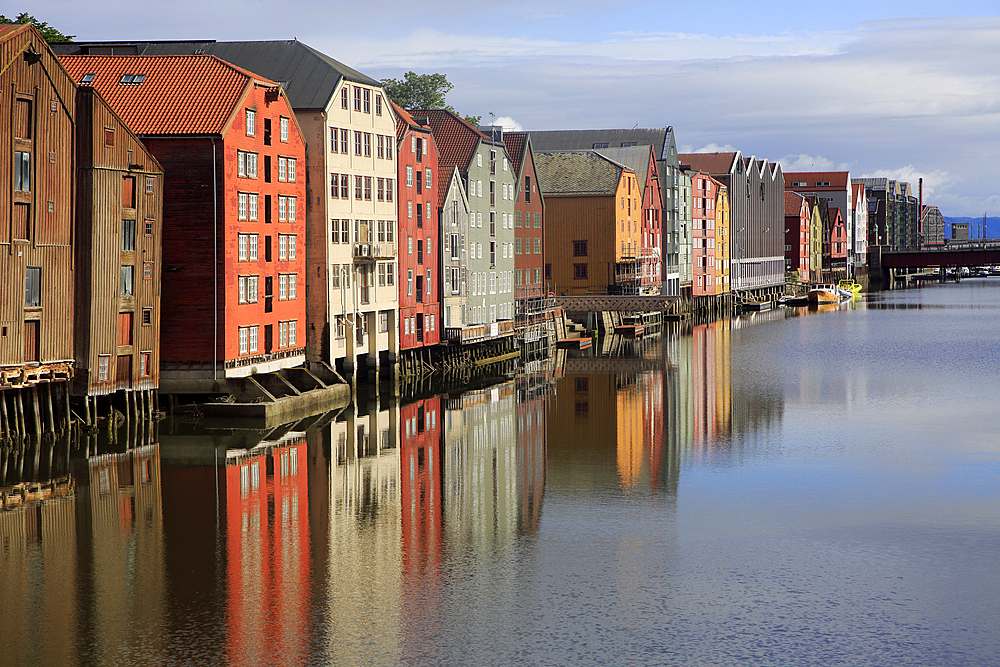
[
  {"x": 455, "y": 137},
  {"x": 404, "y": 121},
  {"x": 793, "y": 203},
  {"x": 710, "y": 163},
  {"x": 838, "y": 179},
  {"x": 515, "y": 143},
  {"x": 194, "y": 94}
]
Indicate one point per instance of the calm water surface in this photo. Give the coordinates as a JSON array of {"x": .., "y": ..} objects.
[{"x": 791, "y": 488}]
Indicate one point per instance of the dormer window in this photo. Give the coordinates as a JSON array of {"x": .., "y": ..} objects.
[
  {"x": 87, "y": 79},
  {"x": 127, "y": 79},
  {"x": 822, "y": 184}
]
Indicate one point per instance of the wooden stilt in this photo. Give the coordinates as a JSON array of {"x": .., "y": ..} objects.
[
  {"x": 4, "y": 421},
  {"x": 37, "y": 411},
  {"x": 50, "y": 412},
  {"x": 86, "y": 411},
  {"x": 21, "y": 430}
]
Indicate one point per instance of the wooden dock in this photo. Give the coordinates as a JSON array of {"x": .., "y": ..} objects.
[{"x": 581, "y": 343}]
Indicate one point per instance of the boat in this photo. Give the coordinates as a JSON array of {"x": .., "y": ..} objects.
[
  {"x": 826, "y": 293},
  {"x": 850, "y": 285}
]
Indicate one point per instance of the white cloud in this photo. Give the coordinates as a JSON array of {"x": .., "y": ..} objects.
[
  {"x": 508, "y": 124},
  {"x": 934, "y": 181},
  {"x": 709, "y": 148},
  {"x": 801, "y": 162}
]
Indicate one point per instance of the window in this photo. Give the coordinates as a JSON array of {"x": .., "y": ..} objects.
[
  {"x": 368, "y": 188},
  {"x": 579, "y": 248},
  {"x": 284, "y": 129},
  {"x": 427, "y": 178},
  {"x": 33, "y": 286},
  {"x": 147, "y": 270},
  {"x": 282, "y": 169},
  {"x": 538, "y": 246},
  {"x": 132, "y": 79},
  {"x": 246, "y": 164},
  {"x": 103, "y": 367},
  {"x": 579, "y": 271},
  {"x": 144, "y": 364},
  {"x": 368, "y": 143},
  {"x": 251, "y": 122},
  {"x": 282, "y": 248},
  {"x": 343, "y": 97},
  {"x": 150, "y": 185},
  {"x": 388, "y": 189},
  {"x": 357, "y": 142},
  {"x": 335, "y": 186},
  {"x": 409, "y": 176},
  {"x": 344, "y": 140},
  {"x": 357, "y": 187},
  {"x": 147, "y": 316},
  {"x": 252, "y": 211},
  {"x": 127, "y": 280},
  {"x": 128, "y": 236},
  {"x": 243, "y": 200},
  {"x": 378, "y": 104}
]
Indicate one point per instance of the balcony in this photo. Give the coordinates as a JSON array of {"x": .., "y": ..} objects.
[
  {"x": 363, "y": 252},
  {"x": 384, "y": 251}
]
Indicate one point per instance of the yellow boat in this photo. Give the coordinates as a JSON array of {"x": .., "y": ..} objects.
[{"x": 849, "y": 285}]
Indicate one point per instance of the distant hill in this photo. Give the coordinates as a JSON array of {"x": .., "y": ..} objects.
[{"x": 975, "y": 226}]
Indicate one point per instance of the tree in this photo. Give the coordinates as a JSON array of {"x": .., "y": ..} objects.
[
  {"x": 49, "y": 33},
  {"x": 422, "y": 91}
]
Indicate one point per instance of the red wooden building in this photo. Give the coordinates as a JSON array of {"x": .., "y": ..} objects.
[
  {"x": 529, "y": 218},
  {"x": 233, "y": 230},
  {"x": 118, "y": 234},
  {"x": 419, "y": 233},
  {"x": 798, "y": 215}
]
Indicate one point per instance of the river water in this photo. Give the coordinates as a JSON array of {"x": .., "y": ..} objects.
[{"x": 797, "y": 487}]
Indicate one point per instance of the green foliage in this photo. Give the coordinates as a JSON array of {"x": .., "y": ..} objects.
[
  {"x": 49, "y": 33},
  {"x": 422, "y": 91}
]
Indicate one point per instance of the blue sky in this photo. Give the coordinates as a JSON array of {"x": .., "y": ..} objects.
[{"x": 897, "y": 89}]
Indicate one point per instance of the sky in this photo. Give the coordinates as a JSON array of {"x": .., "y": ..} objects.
[{"x": 887, "y": 88}]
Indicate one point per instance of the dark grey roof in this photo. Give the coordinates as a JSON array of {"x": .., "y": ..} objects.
[
  {"x": 635, "y": 158},
  {"x": 576, "y": 173},
  {"x": 308, "y": 76},
  {"x": 659, "y": 138}
]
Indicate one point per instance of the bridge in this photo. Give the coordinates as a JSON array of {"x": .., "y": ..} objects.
[{"x": 964, "y": 253}]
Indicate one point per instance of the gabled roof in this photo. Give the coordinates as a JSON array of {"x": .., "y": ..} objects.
[
  {"x": 582, "y": 172},
  {"x": 444, "y": 179},
  {"x": 516, "y": 143},
  {"x": 838, "y": 179},
  {"x": 710, "y": 163},
  {"x": 793, "y": 203},
  {"x": 310, "y": 78},
  {"x": 455, "y": 137},
  {"x": 405, "y": 122},
  {"x": 635, "y": 158},
  {"x": 553, "y": 140},
  {"x": 178, "y": 95},
  {"x": 11, "y": 28}
]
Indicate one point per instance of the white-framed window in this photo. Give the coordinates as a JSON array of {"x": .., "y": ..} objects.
[
  {"x": 282, "y": 208},
  {"x": 244, "y": 340},
  {"x": 291, "y": 170},
  {"x": 479, "y": 160},
  {"x": 282, "y": 168},
  {"x": 282, "y": 247},
  {"x": 291, "y": 285},
  {"x": 291, "y": 209},
  {"x": 282, "y": 286},
  {"x": 427, "y": 178},
  {"x": 409, "y": 176},
  {"x": 291, "y": 246},
  {"x": 292, "y": 338},
  {"x": 252, "y": 208},
  {"x": 251, "y": 122},
  {"x": 284, "y": 129},
  {"x": 252, "y": 249},
  {"x": 243, "y": 199}
]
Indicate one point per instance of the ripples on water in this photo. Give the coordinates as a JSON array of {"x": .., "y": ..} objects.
[{"x": 788, "y": 488}]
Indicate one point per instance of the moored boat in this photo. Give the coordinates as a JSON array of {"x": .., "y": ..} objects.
[
  {"x": 826, "y": 293},
  {"x": 849, "y": 285}
]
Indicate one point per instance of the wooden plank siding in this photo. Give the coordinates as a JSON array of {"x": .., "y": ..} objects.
[
  {"x": 188, "y": 298},
  {"x": 38, "y": 220},
  {"x": 591, "y": 219},
  {"x": 120, "y": 194}
]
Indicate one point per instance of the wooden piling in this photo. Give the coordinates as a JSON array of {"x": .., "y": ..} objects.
[{"x": 37, "y": 410}]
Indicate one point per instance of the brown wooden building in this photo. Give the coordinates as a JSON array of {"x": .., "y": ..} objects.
[
  {"x": 118, "y": 250},
  {"x": 36, "y": 228},
  {"x": 593, "y": 223}
]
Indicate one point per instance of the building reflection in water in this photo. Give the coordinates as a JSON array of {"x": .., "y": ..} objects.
[{"x": 82, "y": 558}]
